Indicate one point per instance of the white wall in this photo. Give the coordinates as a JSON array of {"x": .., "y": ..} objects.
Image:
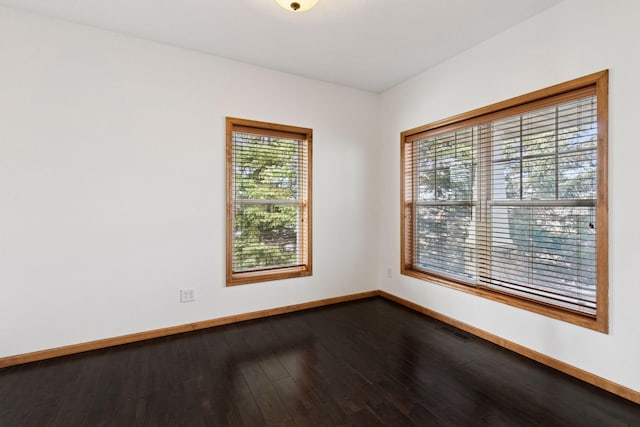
[
  {"x": 575, "y": 38},
  {"x": 112, "y": 179}
]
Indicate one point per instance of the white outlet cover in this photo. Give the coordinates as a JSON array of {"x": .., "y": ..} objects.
[{"x": 187, "y": 295}]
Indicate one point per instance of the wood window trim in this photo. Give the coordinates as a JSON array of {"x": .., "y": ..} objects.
[
  {"x": 596, "y": 83},
  {"x": 234, "y": 124}
]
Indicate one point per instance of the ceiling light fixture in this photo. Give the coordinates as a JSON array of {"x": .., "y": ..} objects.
[{"x": 297, "y": 5}]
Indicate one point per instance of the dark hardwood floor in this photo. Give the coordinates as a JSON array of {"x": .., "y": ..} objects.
[{"x": 364, "y": 363}]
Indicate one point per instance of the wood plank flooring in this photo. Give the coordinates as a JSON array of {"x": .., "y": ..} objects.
[{"x": 364, "y": 363}]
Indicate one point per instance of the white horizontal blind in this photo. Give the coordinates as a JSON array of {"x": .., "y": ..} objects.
[
  {"x": 444, "y": 202},
  {"x": 542, "y": 205},
  {"x": 269, "y": 190},
  {"x": 510, "y": 204}
]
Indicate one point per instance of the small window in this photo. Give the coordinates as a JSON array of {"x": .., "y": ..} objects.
[
  {"x": 268, "y": 201},
  {"x": 509, "y": 202}
]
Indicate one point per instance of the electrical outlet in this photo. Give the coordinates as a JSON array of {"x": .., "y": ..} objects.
[
  {"x": 187, "y": 295},
  {"x": 389, "y": 272}
]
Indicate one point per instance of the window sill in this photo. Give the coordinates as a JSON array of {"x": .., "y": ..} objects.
[
  {"x": 249, "y": 277},
  {"x": 598, "y": 323}
]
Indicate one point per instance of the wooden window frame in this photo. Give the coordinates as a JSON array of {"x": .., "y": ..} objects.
[
  {"x": 305, "y": 135},
  {"x": 596, "y": 83}
]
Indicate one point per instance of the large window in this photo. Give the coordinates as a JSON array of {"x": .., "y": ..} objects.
[
  {"x": 268, "y": 201},
  {"x": 510, "y": 202}
]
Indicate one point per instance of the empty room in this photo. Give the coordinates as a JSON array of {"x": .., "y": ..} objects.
[{"x": 319, "y": 212}]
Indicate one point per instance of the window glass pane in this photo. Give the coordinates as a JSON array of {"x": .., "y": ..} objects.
[
  {"x": 445, "y": 150},
  {"x": 425, "y": 164},
  {"x": 577, "y": 175},
  {"x": 539, "y": 132},
  {"x": 539, "y": 178},
  {"x": 462, "y": 166},
  {"x": 545, "y": 251},
  {"x": 266, "y": 167},
  {"x": 506, "y": 182},
  {"x": 578, "y": 125},
  {"x": 445, "y": 167},
  {"x": 445, "y": 239},
  {"x": 505, "y": 134},
  {"x": 426, "y": 185},
  {"x": 265, "y": 236}
]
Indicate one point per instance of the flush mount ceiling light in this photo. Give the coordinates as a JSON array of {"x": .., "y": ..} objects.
[{"x": 297, "y": 5}]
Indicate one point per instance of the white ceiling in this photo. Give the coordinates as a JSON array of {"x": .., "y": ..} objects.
[{"x": 365, "y": 44}]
